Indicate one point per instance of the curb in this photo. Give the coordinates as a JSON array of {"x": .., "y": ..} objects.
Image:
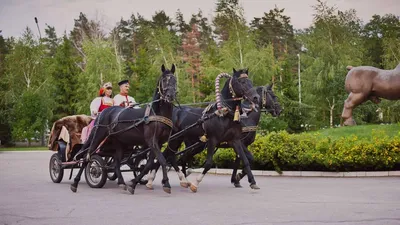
[{"x": 272, "y": 173}]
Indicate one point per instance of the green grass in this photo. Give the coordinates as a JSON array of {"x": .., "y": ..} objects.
[
  {"x": 361, "y": 131},
  {"x": 24, "y": 149}
]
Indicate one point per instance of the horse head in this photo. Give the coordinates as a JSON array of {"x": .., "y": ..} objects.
[
  {"x": 269, "y": 101},
  {"x": 241, "y": 86},
  {"x": 166, "y": 86}
]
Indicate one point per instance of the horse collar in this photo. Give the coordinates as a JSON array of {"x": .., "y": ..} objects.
[
  {"x": 231, "y": 89},
  {"x": 264, "y": 98}
]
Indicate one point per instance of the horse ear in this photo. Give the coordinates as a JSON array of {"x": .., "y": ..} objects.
[
  {"x": 173, "y": 68},
  {"x": 163, "y": 68},
  {"x": 234, "y": 71}
]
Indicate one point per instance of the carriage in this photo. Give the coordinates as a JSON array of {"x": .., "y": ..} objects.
[
  {"x": 106, "y": 149},
  {"x": 66, "y": 140}
]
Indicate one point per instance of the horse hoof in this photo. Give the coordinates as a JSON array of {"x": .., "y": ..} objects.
[
  {"x": 167, "y": 190},
  {"x": 254, "y": 186},
  {"x": 143, "y": 182},
  {"x": 149, "y": 186},
  {"x": 237, "y": 185},
  {"x": 238, "y": 177},
  {"x": 73, "y": 189},
  {"x": 131, "y": 190},
  {"x": 184, "y": 184},
  {"x": 122, "y": 186},
  {"x": 193, "y": 188}
]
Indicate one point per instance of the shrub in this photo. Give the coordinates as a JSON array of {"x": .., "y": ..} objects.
[{"x": 284, "y": 151}]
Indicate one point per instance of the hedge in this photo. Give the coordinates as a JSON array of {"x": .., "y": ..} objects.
[{"x": 283, "y": 151}]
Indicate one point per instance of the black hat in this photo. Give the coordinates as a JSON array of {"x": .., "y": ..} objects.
[{"x": 123, "y": 82}]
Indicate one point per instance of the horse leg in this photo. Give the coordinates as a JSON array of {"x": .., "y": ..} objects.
[
  {"x": 154, "y": 146},
  {"x": 243, "y": 173},
  {"x": 118, "y": 157},
  {"x": 147, "y": 167},
  {"x": 187, "y": 159},
  {"x": 350, "y": 103},
  {"x": 99, "y": 135},
  {"x": 234, "y": 179},
  {"x": 74, "y": 186},
  {"x": 207, "y": 166},
  {"x": 163, "y": 162},
  {"x": 239, "y": 148},
  {"x": 170, "y": 151}
]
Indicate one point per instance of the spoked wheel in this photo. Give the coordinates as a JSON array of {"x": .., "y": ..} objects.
[
  {"x": 95, "y": 173},
  {"x": 55, "y": 169},
  {"x": 138, "y": 166},
  {"x": 111, "y": 175}
]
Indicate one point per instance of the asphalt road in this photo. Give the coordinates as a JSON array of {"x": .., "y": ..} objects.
[{"x": 28, "y": 196}]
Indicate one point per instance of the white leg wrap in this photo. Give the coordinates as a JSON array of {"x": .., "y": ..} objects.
[
  {"x": 182, "y": 177},
  {"x": 198, "y": 179},
  {"x": 150, "y": 178}
]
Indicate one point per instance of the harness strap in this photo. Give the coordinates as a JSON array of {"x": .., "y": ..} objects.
[
  {"x": 161, "y": 119},
  {"x": 249, "y": 129},
  {"x": 126, "y": 128}
]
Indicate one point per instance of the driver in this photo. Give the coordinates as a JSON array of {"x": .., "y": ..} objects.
[{"x": 123, "y": 99}]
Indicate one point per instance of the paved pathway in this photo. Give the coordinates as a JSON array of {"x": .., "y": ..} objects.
[{"x": 28, "y": 196}]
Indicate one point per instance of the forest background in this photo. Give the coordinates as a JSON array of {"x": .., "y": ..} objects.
[{"x": 44, "y": 79}]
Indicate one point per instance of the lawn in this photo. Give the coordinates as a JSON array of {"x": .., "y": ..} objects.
[
  {"x": 361, "y": 131},
  {"x": 24, "y": 149}
]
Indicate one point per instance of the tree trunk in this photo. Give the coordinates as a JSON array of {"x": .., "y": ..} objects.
[
  {"x": 331, "y": 108},
  {"x": 42, "y": 138}
]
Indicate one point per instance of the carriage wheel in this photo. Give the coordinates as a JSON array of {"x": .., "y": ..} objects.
[
  {"x": 55, "y": 169},
  {"x": 95, "y": 174},
  {"x": 111, "y": 175},
  {"x": 138, "y": 166}
]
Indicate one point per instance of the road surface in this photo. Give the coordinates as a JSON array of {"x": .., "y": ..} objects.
[{"x": 28, "y": 196}]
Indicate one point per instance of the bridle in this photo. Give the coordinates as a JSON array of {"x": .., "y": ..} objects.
[
  {"x": 264, "y": 99},
  {"x": 162, "y": 89},
  {"x": 242, "y": 76}
]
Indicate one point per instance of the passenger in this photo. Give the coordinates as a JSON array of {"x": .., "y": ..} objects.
[
  {"x": 123, "y": 99},
  {"x": 103, "y": 101}
]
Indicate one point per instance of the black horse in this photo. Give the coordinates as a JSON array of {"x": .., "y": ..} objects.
[
  {"x": 270, "y": 103},
  {"x": 185, "y": 116},
  {"x": 215, "y": 128},
  {"x": 119, "y": 129}
]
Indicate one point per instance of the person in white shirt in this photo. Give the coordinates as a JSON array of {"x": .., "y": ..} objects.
[{"x": 123, "y": 99}]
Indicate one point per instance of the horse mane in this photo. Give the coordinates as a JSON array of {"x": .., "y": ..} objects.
[{"x": 156, "y": 96}]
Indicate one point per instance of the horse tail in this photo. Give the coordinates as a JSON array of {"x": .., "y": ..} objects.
[{"x": 349, "y": 67}]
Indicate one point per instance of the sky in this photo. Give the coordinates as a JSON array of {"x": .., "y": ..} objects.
[{"x": 15, "y": 15}]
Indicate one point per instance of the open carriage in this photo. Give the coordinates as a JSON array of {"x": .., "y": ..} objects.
[{"x": 66, "y": 141}]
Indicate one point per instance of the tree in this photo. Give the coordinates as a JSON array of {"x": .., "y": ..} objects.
[
  {"x": 378, "y": 30},
  {"x": 191, "y": 56},
  {"x": 65, "y": 81},
  {"x": 30, "y": 115},
  {"x": 228, "y": 15},
  {"x": 333, "y": 42},
  {"x": 275, "y": 28},
  {"x": 28, "y": 82},
  {"x": 181, "y": 26},
  {"x": 161, "y": 20},
  {"x": 102, "y": 65},
  {"x": 5, "y": 128},
  {"x": 51, "y": 41}
]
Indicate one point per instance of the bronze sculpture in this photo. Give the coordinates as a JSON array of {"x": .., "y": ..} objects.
[{"x": 365, "y": 83}]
